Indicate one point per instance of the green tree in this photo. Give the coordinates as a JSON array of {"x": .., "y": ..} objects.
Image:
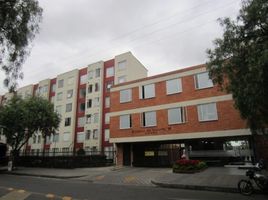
[
  {"x": 239, "y": 62},
  {"x": 19, "y": 22},
  {"x": 22, "y": 118}
]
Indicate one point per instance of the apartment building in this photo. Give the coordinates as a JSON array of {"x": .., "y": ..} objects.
[
  {"x": 82, "y": 98},
  {"x": 156, "y": 120}
]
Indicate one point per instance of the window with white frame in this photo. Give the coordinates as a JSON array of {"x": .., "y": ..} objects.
[
  {"x": 58, "y": 109},
  {"x": 90, "y": 75},
  {"x": 173, "y": 86},
  {"x": 81, "y": 121},
  {"x": 66, "y": 136},
  {"x": 52, "y": 99},
  {"x": 88, "y": 134},
  {"x": 96, "y": 117},
  {"x": 70, "y": 80},
  {"x": 69, "y": 94},
  {"x": 55, "y": 137},
  {"x": 90, "y": 88},
  {"x": 107, "y": 118},
  {"x": 176, "y": 115},
  {"x": 147, "y": 91},
  {"x": 207, "y": 112},
  {"x": 122, "y": 65},
  {"x": 109, "y": 85},
  {"x": 125, "y": 95},
  {"x": 59, "y": 96},
  {"x": 60, "y": 83},
  {"x": 82, "y": 93},
  {"x": 67, "y": 121},
  {"x": 125, "y": 121},
  {"x": 97, "y": 73},
  {"x": 53, "y": 87},
  {"x": 82, "y": 107},
  {"x": 89, "y": 118},
  {"x": 80, "y": 137},
  {"x": 97, "y": 87},
  {"x": 96, "y": 102},
  {"x": 202, "y": 80},
  {"x": 68, "y": 107},
  {"x": 107, "y": 102},
  {"x": 95, "y": 134},
  {"x": 89, "y": 103},
  {"x": 149, "y": 119},
  {"x": 106, "y": 135},
  {"x": 109, "y": 72},
  {"x": 83, "y": 79},
  {"x": 122, "y": 79}
]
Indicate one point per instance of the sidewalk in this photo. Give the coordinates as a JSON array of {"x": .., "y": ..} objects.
[
  {"x": 212, "y": 179},
  {"x": 58, "y": 173}
]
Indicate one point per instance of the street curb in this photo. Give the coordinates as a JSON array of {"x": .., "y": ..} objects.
[
  {"x": 43, "y": 176},
  {"x": 195, "y": 187}
]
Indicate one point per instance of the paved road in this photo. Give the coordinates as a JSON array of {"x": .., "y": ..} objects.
[{"x": 29, "y": 188}]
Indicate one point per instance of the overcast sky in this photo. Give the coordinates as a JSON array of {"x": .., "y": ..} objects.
[{"x": 164, "y": 35}]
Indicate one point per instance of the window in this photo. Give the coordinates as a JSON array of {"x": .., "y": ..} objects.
[
  {"x": 97, "y": 87},
  {"x": 122, "y": 65},
  {"x": 53, "y": 87},
  {"x": 202, "y": 80},
  {"x": 67, "y": 121},
  {"x": 149, "y": 118},
  {"x": 96, "y": 102},
  {"x": 125, "y": 121},
  {"x": 83, "y": 79},
  {"x": 109, "y": 85},
  {"x": 70, "y": 80},
  {"x": 59, "y": 96},
  {"x": 80, "y": 137},
  {"x": 88, "y": 133},
  {"x": 82, "y": 107},
  {"x": 81, "y": 122},
  {"x": 66, "y": 137},
  {"x": 34, "y": 139},
  {"x": 97, "y": 73},
  {"x": 107, "y": 118},
  {"x": 173, "y": 86},
  {"x": 60, "y": 83},
  {"x": 88, "y": 118},
  {"x": 176, "y": 116},
  {"x": 107, "y": 102},
  {"x": 90, "y": 88},
  {"x": 90, "y": 75},
  {"x": 55, "y": 137},
  {"x": 109, "y": 72},
  {"x": 125, "y": 95},
  {"x": 147, "y": 91},
  {"x": 48, "y": 139},
  {"x": 106, "y": 135},
  {"x": 89, "y": 103},
  {"x": 58, "y": 109},
  {"x": 39, "y": 139},
  {"x": 82, "y": 93},
  {"x": 68, "y": 107},
  {"x": 207, "y": 112},
  {"x": 95, "y": 134},
  {"x": 122, "y": 79},
  {"x": 96, "y": 117},
  {"x": 69, "y": 94}
]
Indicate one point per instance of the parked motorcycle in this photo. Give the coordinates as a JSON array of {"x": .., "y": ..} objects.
[{"x": 246, "y": 187}]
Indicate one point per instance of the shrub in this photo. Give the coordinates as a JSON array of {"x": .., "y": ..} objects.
[{"x": 184, "y": 165}]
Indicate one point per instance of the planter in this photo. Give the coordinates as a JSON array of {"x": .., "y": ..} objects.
[{"x": 188, "y": 171}]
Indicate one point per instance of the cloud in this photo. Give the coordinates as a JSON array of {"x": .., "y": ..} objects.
[{"x": 163, "y": 35}]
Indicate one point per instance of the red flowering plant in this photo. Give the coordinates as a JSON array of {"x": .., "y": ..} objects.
[{"x": 184, "y": 165}]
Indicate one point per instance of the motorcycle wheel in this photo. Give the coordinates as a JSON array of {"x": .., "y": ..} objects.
[{"x": 245, "y": 187}]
